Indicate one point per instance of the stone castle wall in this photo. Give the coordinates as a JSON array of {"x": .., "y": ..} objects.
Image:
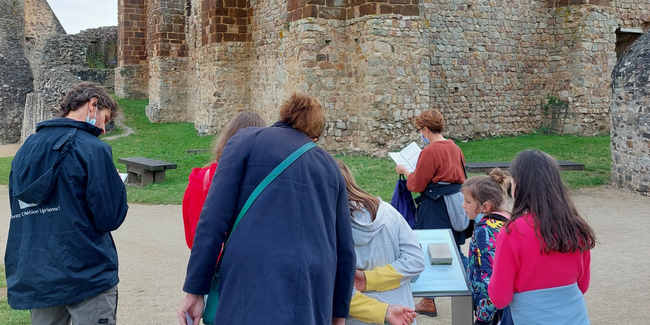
[
  {"x": 40, "y": 24},
  {"x": 63, "y": 61},
  {"x": 488, "y": 65},
  {"x": 15, "y": 76},
  {"x": 630, "y": 119}
]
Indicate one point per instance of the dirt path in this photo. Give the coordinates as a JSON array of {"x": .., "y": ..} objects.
[
  {"x": 9, "y": 150},
  {"x": 153, "y": 259}
]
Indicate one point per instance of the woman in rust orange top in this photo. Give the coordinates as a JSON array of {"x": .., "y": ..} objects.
[{"x": 439, "y": 172}]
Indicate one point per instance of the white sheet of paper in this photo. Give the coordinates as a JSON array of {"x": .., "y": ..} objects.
[{"x": 408, "y": 157}]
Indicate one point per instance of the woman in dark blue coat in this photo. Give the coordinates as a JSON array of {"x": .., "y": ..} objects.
[{"x": 291, "y": 258}]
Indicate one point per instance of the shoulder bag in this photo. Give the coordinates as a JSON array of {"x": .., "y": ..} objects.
[{"x": 212, "y": 300}]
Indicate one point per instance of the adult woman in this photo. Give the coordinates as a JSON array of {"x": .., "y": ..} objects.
[
  {"x": 542, "y": 260},
  {"x": 201, "y": 178},
  {"x": 388, "y": 257},
  {"x": 291, "y": 258},
  {"x": 438, "y": 177}
]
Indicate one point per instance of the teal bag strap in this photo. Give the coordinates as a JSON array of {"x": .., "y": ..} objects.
[{"x": 267, "y": 180}]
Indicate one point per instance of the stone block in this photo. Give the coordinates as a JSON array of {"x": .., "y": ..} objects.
[
  {"x": 439, "y": 254},
  {"x": 295, "y": 4},
  {"x": 367, "y": 9},
  {"x": 332, "y": 13},
  {"x": 310, "y": 11}
]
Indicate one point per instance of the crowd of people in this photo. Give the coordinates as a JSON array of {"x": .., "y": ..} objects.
[{"x": 305, "y": 244}]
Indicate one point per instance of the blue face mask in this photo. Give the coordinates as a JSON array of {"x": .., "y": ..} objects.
[
  {"x": 425, "y": 140},
  {"x": 480, "y": 215},
  {"x": 93, "y": 120}
]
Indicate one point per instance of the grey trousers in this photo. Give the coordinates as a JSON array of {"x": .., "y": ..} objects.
[{"x": 100, "y": 309}]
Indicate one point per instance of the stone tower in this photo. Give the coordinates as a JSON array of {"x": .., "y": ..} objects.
[
  {"x": 488, "y": 65},
  {"x": 15, "y": 75},
  {"x": 630, "y": 115}
]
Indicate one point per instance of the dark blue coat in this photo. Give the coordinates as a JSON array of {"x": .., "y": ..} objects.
[
  {"x": 66, "y": 196},
  {"x": 291, "y": 258},
  {"x": 432, "y": 210}
]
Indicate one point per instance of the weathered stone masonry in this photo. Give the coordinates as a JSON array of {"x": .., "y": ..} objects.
[
  {"x": 15, "y": 76},
  {"x": 488, "y": 65},
  {"x": 630, "y": 118}
]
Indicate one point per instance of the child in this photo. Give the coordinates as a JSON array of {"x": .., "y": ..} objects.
[
  {"x": 201, "y": 178},
  {"x": 388, "y": 256},
  {"x": 542, "y": 261},
  {"x": 483, "y": 199}
]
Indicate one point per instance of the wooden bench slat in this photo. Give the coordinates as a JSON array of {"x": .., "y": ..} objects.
[
  {"x": 486, "y": 167},
  {"x": 147, "y": 163},
  {"x": 142, "y": 171}
]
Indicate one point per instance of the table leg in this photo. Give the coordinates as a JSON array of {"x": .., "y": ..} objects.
[
  {"x": 147, "y": 177},
  {"x": 159, "y": 176},
  {"x": 461, "y": 310}
]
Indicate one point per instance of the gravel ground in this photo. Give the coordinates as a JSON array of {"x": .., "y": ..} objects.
[{"x": 153, "y": 258}]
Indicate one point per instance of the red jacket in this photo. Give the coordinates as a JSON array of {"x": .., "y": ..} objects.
[{"x": 195, "y": 194}]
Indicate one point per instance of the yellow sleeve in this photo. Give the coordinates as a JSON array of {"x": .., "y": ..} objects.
[
  {"x": 383, "y": 278},
  {"x": 367, "y": 309}
]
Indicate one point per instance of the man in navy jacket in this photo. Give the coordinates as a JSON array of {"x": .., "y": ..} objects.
[{"x": 66, "y": 197}]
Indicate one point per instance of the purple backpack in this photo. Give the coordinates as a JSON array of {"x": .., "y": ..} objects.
[{"x": 402, "y": 201}]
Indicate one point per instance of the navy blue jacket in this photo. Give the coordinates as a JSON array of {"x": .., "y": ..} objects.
[
  {"x": 432, "y": 210},
  {"x": 291, "y": 259},
  {"x": 66, "y": 196}
]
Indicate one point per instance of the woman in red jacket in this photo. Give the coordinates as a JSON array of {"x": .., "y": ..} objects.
[{"x": 201, "y": 178}]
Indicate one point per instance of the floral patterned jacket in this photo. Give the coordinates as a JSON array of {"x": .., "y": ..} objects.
[{"x": 481, "y": 257}]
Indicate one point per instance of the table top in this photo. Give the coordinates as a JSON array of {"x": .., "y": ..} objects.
[{"x": 146, "y": 163}]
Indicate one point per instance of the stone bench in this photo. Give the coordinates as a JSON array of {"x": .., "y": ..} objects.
[
  {"x": 142, "y": 171},
  {"x": 486, "y": 167}
]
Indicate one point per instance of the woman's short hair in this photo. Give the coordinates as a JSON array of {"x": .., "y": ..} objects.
[
  {"x": 241, "y": 120},
  {"x": 82, "y": 93},
  {"x": 431, "y": 119},
  {"x": 305, "y": 114}
]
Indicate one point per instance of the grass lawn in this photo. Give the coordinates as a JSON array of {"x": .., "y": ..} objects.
[
  {"x": 9, "y": 316},
  {"x": 169, "y": 142}
]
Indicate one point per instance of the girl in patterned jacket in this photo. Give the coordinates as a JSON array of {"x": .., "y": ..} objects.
[{"x": 484, "y": 196}]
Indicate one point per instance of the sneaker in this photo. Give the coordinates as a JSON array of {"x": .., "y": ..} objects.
[{"x": 426, "y": 307}]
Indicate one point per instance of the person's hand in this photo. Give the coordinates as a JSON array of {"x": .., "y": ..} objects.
[
  {"x": 360, "y": 280},
  {"x": 402, "y": 170},
  {"x": 193, "y": 304},
  {"x": 338, "y": 321},
  {"x": 400, "y": 315}
]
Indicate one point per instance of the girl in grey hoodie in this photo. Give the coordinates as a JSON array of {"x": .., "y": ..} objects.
[{"x": 388, "y": 257}]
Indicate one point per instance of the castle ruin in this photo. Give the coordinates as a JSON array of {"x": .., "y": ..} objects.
[
  {"x": 630, "y": 116},
  {"x": 39, "y": 63},
  {"x": 488, "y": 65}
]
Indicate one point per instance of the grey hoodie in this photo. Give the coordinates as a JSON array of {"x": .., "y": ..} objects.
[{"x": 387, "y": 240}]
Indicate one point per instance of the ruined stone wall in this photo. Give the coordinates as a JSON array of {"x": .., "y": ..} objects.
[
  {"x": 487, "y": 68},
  {"x": 66, "y": 60},
  {"x": 221, "y": 62},
  {"x": 168, "y": 61},
  {"x": 488, "y": 65},
  {"x": 630, "y": 119},
  {"x": 40, "y": 24},
  {"x": 15, "y": 74},
  {"x": 132, "y": 76}
]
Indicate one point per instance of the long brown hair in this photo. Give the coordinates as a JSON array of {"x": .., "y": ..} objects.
[
  {"x": 359, "y": 199},
  {"x": 241, "y": 120},
  {"x": 540, "y": 192},
  {"x": 488, "y": 188}
]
